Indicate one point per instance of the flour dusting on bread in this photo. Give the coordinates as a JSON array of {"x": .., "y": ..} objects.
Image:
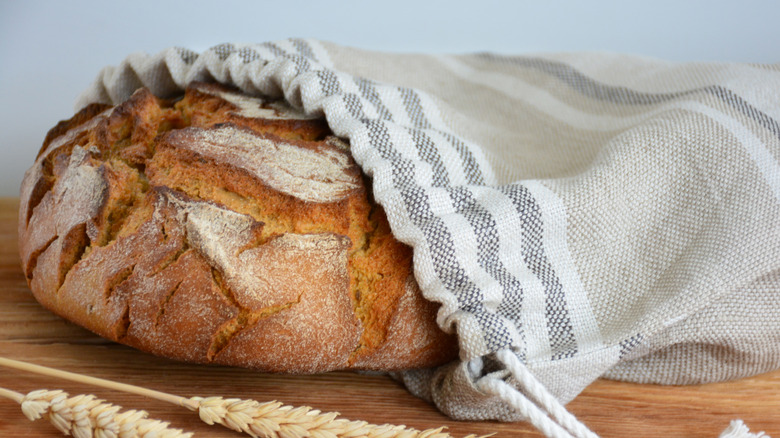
[{"x": 310, "y": 175}]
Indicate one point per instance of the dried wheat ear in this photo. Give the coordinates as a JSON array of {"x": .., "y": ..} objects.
[{"x": 87, "y": 416}]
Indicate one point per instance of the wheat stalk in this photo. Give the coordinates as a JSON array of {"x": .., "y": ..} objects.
[
  {"x": 259, "y": 420},
  {"x": 275, "y": 420},
  {"x": 86, "y": 416}
]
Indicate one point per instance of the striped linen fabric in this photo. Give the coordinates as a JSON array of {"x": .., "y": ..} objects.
[{"x": 577, "y": 215}]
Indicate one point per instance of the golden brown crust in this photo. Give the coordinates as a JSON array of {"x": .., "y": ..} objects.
[{"x": 220, "y": 228}]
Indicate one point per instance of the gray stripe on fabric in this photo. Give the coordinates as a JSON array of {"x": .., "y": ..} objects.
[
  {"x": 413, "y": 108},
  {"x": 598, "y": 90},
  {"x": 439, "y": 240},
  {"x": 248, "y": 54},
  {"x": 304, "y": 49},
  {"x": 187, "y": 56},
  {"x": 368, "y": 91},
  {"x": 510, "y": 308},
  {"x": 740, "y": 104},
  {"x": 302, "y": 64},
  {"x": 627, "y": 345},
  {"x": 273, "y": 48},
  {"x": 329, "y": 83},
  {"x": 562, "y": 341},
  {"x": 488, "y": 247},
  {"x": 473, "y": 171},
  {"x": 354, "y": 106},
  {"x": 223, "y": 51},
  {"x": 419, "y": 120},
  {"x": 430, "y": 154},
  {"x": 583, "y": 83}
]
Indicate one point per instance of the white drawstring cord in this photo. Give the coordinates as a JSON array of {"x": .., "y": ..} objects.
[
  {"x": 737, "y": 429},
  {"x": 546, "y": 413},
  {"x": 540, "y": 407},
  {"x": 532, "y": 413}
]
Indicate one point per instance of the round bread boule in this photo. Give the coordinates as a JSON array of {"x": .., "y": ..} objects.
[{"x": 221, "y": 228}]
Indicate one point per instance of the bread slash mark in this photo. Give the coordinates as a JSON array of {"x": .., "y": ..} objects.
[
  {"x": 74, "y": 245},
  {"x": 117, "y": 279},
  {"x": 32, "y": 262},
  {"x": 246, "y": 318},
  {"x": 168, "y": 297}
]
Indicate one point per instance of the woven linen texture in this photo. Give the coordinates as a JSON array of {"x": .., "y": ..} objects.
[{"x": 594, "y": 214}]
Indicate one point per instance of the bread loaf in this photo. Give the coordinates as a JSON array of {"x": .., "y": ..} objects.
[{"x": 221, "y": 228}]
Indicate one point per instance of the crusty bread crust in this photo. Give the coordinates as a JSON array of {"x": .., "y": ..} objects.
[{"x": 221, "y": 228}]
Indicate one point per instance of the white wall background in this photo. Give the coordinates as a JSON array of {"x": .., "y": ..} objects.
[{"x": 51, "y": 50}]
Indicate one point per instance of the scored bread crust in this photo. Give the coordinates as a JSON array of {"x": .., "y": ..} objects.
[{"x": 221, "y": 228}]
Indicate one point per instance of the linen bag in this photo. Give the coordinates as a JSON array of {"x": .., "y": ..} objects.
[{"x": 577, "y": 215}]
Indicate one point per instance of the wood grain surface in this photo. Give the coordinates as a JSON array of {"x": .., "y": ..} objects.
[{"x": 611, "y": 409}]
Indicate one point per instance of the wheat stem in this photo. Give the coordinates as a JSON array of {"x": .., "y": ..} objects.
[
  {"x": 94, "y": 381},
  {"x": 13, "y": 395}
]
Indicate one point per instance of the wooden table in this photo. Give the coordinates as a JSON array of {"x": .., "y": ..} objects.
[{"x": 611, "y": 409}]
